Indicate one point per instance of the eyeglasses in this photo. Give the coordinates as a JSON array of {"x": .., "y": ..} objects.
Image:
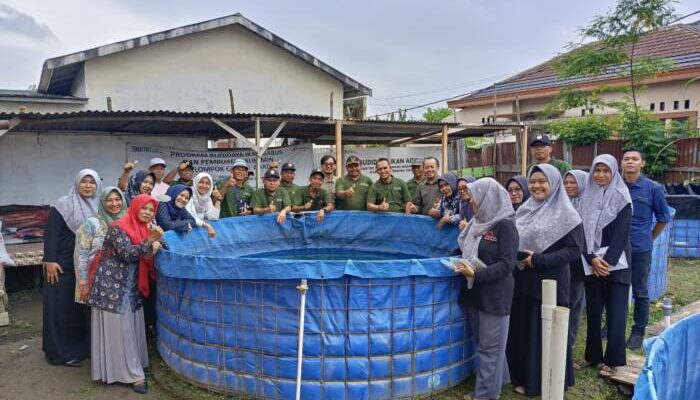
[
  {"x": 514, "y": 190},
  {"x": 462, "y": 189}
]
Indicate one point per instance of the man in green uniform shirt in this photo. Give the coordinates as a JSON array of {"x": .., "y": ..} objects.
[
  {"x": 270, "y": 199},
  {"x": 417, "y": 170},
  {"x": 541, "y": 152},
  {"x": 388, "y": 194},
  {"x": 314, "y": 197},
  {"x": 237, "y": 192},
  {"x": 287, "y": 184},
  {"x": 428, "y": 193},
  {"x": 351, "y": 190}
]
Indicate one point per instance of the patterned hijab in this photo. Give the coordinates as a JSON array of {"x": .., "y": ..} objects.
[
  {"x": 601, "y": 204},
  {"x": 102, "y": 212},
  {"x": 540, "y": 224},
  {"x": 581, "y": 181},
  {"x": 493, "y": 205},
  {"x": 202, "y": 202},
  {"x": 73, "y": 207},
  {"x": 133, "y": 189}
]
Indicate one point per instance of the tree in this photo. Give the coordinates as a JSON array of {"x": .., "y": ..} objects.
[
  {"x": 437, "y": 114},
  {"x": 615, "y": 36}
]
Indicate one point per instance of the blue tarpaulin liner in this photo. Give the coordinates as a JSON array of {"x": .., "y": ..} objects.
[
  {"x": 671, "y": 370},
  {"x": 374, "y": 329},
  {"x": 233, "y": 253}
]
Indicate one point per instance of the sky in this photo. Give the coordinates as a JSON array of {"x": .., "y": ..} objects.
[{"x": 409, "y": 52}]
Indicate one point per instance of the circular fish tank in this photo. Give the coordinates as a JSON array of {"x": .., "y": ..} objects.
[{"x": 382, "y": 315}]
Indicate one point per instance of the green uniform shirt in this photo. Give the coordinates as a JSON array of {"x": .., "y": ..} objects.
[
  {"x": 562, "y": 166},
  {"x": 358, "y": 201},
  {"x": 395, "y": 193},
  {"x": 293, "y": 192},
  {"x": 321, "y": 200},
  {"x": 262, "y": 198},
  {"x": 178, "y": 182},
  {"x": 236, "y": 200},
  {"x": 413, "y": 185}
]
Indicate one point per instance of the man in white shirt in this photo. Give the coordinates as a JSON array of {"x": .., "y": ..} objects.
[{"x": 157, "y": 166}]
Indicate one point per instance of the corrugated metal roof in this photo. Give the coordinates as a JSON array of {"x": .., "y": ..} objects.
[
  {"x": 58, "y": 73},
  {"x": 680, "y": 43},
  {"x": 317, "y": 129}
]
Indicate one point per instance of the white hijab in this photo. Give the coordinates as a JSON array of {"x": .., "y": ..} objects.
[
  {"x": 202, "y": 202},
  {"x": 493, "y": 205},
  {"x": 600, "y": 205},
  {"x": 73, "y": 207},
  {"x": 540, "y": 224},
  {"x": 581, "y": 178}
]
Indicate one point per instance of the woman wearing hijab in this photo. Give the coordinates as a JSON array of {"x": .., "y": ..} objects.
[
  {"x": 89, "y": 238},
  {"x": 119, "y": 282},
  {"x": 65, "y": 338},
  {"x": 517, "y": 190},
  {"x": 607, "y": 211},
  {"x": 141, "y": 182},
  {"x": 172, "y": 214},
  {"x": 465, "y": 208},
  {"x": 201, "y": 207},
  {"x": 575, "y": 186},
  {"x": 491, "y": 236},
  {"x": 449, "y": 201},
  {"x": 550, "y": 240}
]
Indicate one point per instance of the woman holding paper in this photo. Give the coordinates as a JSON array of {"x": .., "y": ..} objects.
[
  {"x": 606, "y": 211},
  {"x": 489, "y": 247},
  {"x": 550, "y": 240}
]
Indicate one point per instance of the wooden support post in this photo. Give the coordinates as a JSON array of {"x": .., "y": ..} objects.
[
  {"x": 339, "y": 147},
  {"x": 331, "y": 113},
  {"x": 258, "y": 173},
  {"x": 109, "y": 103},
  {"x": 523, "y": 150},
  {"x": 445, "y": 132},
  {"x": 230, "y": 99}
]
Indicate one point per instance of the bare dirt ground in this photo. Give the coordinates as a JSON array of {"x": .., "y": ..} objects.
[{"x": 25, "y": 374}]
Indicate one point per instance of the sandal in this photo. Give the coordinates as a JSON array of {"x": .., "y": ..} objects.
[
  {"x": 607, "y": 371},
  {"x": 581, "y": 364},
  {"x": 520, "y": 390},
  {"x": 74, "y": 363}
]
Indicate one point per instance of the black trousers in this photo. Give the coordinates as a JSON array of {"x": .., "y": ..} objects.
[{"x": 612, "y": 296}]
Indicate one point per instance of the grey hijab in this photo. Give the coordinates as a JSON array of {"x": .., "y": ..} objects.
[
  {"x": 493, "y": 206},
  {"x": 73, "y": 207},
  {"x": 581, "y": 182},
  {"x": 601, "y": 204},
  {"x": 540, "y": 224}
]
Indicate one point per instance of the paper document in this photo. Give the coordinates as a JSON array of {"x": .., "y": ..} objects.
[{"x": 621, "y": 263}]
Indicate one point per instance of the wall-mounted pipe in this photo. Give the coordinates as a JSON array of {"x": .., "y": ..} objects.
[
  {"x": 303, "y": 287},
  {"x": 549, "y": 301}
]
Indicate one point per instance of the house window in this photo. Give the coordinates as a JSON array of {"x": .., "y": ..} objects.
[
  {"x": 590, "y": 110},
  {"x": 662, "y": 106},
  {"x": 675, "y": 104},
  {"x": 686, "y": 104},
  {"x": 483, "y": 120},
  {"x": 652, "y": 106},
  {"x": 583, "y": 112}
]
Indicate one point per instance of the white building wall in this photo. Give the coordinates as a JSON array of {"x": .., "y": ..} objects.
[
  {"x": 40, "y": 168},
  {"x": 194, "y": 73}
]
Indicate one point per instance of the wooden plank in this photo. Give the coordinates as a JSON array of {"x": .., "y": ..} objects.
[
  {"x": 685, "y": 311},
  {"x": 629, "y": 373}
]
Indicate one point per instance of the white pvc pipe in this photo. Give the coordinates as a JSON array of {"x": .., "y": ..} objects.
[
  {"x": 303, "y": 287},
  {"x": 549, "y": 301},
  {"x": 560, "y": 337}
]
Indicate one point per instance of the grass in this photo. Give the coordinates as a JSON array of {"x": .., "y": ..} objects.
[{"x": 683, "y": 286}]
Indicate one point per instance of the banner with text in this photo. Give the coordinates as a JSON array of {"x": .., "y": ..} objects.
[{"x": 218, "y": 163}]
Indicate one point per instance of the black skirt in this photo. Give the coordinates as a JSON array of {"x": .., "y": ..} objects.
[{"x": 524, "y": 349}]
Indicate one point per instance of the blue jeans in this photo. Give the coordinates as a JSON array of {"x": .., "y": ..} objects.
[{"x": 641, "y": 263}]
